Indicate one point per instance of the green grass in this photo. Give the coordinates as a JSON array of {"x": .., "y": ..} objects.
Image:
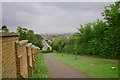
[
  {"x": 46, "y": 51},
  {"x": 41, "y": 69},
  {"x": 92, "y": 67},
  {"x": 94, "y": 56}
]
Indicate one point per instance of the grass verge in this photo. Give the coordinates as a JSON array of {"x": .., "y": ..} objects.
[
  {"x": 91, "y": 67},
  {"x": 94, "y": 56},
  {"x": 41, "y": 69}
]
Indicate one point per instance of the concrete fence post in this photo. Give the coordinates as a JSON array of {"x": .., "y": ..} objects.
[
  {"x": 29, "y": 60},
  {"x": 21, "y": 59}
]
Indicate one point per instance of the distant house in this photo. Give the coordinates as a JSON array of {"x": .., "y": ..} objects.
[{"x": 53, "y": 37}]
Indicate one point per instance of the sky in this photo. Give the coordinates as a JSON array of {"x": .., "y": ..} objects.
[{"x": 51, "y": 17}]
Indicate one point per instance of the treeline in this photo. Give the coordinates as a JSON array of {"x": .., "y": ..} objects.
[
  {"x": 29, "y": 35},
  {"x": 101, "y": 38},
  {"x": 25, "y": 34}
]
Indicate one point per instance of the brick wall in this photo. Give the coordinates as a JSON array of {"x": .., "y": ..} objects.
[
  {"x": 8, "y": 57},
  {"x": 0, "y": 58},
  {"x": 16, "y": 57}
]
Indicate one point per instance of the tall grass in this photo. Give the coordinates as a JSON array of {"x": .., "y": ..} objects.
[{"x": 41, "y": 69}]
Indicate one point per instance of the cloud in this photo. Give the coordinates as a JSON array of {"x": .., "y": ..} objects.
[
  {"x": 50, "y": 17},
  {"x": 58, "y": 0},
  {"x": 0, "y": 14}
]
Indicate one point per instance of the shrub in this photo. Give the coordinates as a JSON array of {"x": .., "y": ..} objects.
[{"x": 46, "y": 51}]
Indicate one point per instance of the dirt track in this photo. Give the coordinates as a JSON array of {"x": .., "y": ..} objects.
[{"x": 59, "y": 70}]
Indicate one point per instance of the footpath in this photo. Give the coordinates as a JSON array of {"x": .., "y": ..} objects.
[{"x": 58, "y": 69}]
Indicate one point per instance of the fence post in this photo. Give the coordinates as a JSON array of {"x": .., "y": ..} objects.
[{"x": 17, "y": 61}]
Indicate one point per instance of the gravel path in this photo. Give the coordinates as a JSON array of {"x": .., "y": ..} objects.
[{"x": 59, "y": 70}]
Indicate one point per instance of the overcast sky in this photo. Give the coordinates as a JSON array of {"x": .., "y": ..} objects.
[{"x": 50, "y": 17}]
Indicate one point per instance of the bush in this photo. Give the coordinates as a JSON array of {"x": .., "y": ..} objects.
[{"x": 46, "y": 51}]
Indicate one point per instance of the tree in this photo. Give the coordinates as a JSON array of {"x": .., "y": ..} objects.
[
  {"x": 59, "y": 44},
  {"x": 112, "y": 14},
  {"x": 29, "y": 35},
  {"x": 22, "y": 32},
  {"x": 4, "y": 29},
  {"x": 101, "y": 38}
]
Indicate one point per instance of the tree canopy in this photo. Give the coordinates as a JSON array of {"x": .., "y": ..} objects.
[
  {"x": 29, "y": 35},
  {"x": 4, "y": 29},
  {"x": 100, "y": 38}
]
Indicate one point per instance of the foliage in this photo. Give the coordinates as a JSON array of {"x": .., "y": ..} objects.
[
  {"x": 46, "y": 51},
  {"x": 48, "y": 48},
  {"x": 59, "y": 44},
  {"x": 4, "y": 29},
  {"x": 100, "y": 38},
  {"x": 29, "y": 35}
]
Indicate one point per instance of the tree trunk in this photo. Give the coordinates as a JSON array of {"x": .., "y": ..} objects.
[{"x": 76, "y": 54}]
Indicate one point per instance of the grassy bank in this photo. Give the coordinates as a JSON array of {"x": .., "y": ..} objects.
[
  {"x": 91, "y": 67},
  {"x": 41, "y": 69}
]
